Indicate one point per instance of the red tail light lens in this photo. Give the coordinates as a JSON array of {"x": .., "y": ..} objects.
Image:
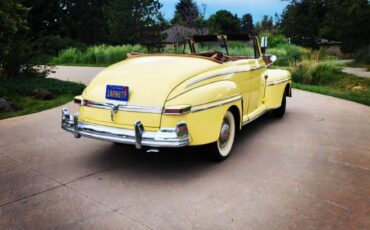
[
  {"x": 80, "y": 101},
  {"x": 177, "y": 111},
  {"x": 77, "y": 101}
]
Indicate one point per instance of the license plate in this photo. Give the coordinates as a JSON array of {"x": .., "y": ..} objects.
[{"x": 117, "y": 93}]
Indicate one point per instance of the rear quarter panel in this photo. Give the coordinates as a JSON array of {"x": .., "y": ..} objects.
[{"x": 204, "y": 123}]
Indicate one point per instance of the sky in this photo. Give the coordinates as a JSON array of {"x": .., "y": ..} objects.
[{"x": 257, "y": 8}]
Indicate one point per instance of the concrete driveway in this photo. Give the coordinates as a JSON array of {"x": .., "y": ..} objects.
[
  {"x": 360, "y": 72},
  {"x": 309, "y": 170},
  {"x": 76, "y": 73}
]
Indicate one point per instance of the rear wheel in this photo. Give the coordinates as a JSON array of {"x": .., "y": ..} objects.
[
  {"x": 221, "y": 149},
  {"x": 279, "y": 112}
]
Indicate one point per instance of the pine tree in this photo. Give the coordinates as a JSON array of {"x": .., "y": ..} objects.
[{"x": 186, "y": 13}]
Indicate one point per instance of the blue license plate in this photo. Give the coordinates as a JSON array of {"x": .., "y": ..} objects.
[{"x": 117, "y": 93}]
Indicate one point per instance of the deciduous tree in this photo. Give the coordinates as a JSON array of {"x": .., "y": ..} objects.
[
  {"x": 224, "y": 22},
  {"x": 16, "y": 52},
  {"x": 247, "y": 25},
  {"x": 135, "y": 21},
  {"x": 347, "y": 21}
]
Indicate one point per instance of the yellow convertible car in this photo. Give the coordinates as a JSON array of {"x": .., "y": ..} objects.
[{"x": 176, "y": 100}]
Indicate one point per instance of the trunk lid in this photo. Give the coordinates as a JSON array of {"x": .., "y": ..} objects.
[{"x": 150, "y": 80}]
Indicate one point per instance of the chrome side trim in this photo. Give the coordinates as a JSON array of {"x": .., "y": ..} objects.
[
  {"x": 279, "y": 82},
  {"x": 127, "y": 108},
  {"x": 219, "y": 75},
  {"x": 255, "y": 118},
  {"x": 237, "y": 95},
  {"x": 215, "y": 104}
]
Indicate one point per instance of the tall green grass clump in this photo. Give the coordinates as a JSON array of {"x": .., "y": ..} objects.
[
  {"x": 316, "y": 73},
  {"x": 97, "y": 55}
]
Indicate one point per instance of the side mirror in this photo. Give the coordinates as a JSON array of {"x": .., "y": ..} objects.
[
  {"x": 273, "y": 58},
  {"x": 269, "y": 59}
]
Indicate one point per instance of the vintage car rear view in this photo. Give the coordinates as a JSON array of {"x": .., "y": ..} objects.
[{"x": 168, "y": 101}]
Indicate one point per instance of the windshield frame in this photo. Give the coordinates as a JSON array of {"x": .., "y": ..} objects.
[{"x": 223, "y": 40}]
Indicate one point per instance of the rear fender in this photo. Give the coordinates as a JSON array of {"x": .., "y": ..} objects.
[{"x": 209, "y": 105}]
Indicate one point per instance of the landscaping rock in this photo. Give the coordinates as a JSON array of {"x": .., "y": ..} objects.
[
  {"x": 6, "y": 105},
  {"x": 358, "y": 88},
  {"x": 42, "y": 94}
]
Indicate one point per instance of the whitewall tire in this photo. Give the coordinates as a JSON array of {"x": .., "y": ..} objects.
[{"x": 221, "y": 149}]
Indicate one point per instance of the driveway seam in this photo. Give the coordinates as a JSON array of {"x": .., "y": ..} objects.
[
  {"x": 97, "y": 172},
  {"x": 20, "y": 164},
  {"x": 32, "y": 195},
  {"x": 34, "y": 170}
]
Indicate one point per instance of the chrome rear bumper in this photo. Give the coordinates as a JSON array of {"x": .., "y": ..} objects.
[{"x": 167, "y": 137}]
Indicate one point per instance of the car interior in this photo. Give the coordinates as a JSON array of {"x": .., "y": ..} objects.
[{"x": 222, "y": 41}]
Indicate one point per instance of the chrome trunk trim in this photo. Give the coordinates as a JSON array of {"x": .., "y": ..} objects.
[{"x": 118, "y": 107}]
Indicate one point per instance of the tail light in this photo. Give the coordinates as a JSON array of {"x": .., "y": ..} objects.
[
  {"x": 77, "y": 101},
  {"x": 177, "y": 110}
]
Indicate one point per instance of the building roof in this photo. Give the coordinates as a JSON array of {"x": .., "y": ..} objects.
[{"x": 326, "y": 42}]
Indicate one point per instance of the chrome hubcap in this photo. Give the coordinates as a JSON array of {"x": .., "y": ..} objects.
[{"x": 225, "y": 133}]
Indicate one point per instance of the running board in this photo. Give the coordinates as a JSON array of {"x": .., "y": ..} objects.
[{"x": 255, "y": 118}]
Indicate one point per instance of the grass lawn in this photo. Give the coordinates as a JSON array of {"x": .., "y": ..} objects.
[
  {"x": 19, "y": 91},
  {"x": 346, "y": 86}
]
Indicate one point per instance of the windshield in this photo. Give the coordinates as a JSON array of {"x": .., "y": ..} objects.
[{"x": 231, "y": 45}]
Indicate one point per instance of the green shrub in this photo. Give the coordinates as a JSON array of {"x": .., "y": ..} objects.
[
  {"x": 275, "y": 40},
  {"x": 325, "y": 54},
  {"x": 53, "y": 44},
  {"x": 362, "y": 56},
  {"x": 175, "y": 51},
  {"x": 25, "y": 86}
]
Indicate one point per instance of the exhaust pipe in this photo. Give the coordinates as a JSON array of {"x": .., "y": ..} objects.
[{"x": 152, "y": 151}]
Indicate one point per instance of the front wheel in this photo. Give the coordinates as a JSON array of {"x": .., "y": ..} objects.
[
  {"x": 279, "y": 112},
  {"x": 221, "y": 149}
]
